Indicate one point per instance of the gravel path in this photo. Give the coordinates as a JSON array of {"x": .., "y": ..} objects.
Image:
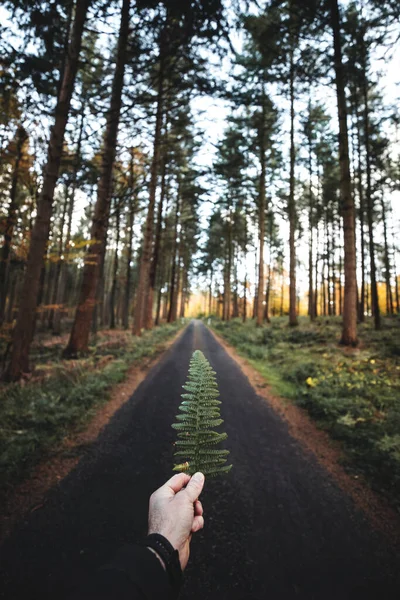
[{"x": 276, "y": 528}]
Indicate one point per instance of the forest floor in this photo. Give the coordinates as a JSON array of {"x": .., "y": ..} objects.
[
  {"x": 60, "y": 397},
  {"x": 279, "y": 525},
  {"x": 351, "y": 393}
]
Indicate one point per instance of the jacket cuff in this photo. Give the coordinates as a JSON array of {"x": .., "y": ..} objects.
[{"x": 144, "y": 570}]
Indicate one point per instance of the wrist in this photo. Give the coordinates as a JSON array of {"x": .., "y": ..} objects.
[{"x": 168, "y": 555}]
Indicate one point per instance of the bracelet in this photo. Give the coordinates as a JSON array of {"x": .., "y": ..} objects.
[{"x": 169, "y": 555}]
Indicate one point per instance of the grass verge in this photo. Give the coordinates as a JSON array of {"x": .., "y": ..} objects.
[
  {"x": 62, "y": 396},
  {"x": 354, "y": 394}
]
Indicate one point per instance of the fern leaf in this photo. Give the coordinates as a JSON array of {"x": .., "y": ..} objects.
[{"x": 199, "y": 413}]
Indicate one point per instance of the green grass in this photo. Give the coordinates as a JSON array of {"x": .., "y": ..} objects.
[
  {"x": 35, "y": 416},
  {"x": 353, "y": 394}
]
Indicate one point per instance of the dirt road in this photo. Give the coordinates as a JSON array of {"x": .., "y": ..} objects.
[{"x": 276, "y": 528}]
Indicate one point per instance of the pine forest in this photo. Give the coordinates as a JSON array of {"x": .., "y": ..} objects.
[{"x": 229, "y": 168}]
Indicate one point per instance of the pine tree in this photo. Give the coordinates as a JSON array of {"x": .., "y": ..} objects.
[{"x": 199, "y": 413}]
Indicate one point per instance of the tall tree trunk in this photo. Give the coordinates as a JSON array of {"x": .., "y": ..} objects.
[
  {"x": 261, "y": 218},
  {"x": 389, "y": 295},
  {"x": 349, "y": 331},
  {"x": 235, "y": 311},
  {"x": 127, "y": 294},
  {"x": 311, "y": 300},
  {"x": 79, "y": 338},
  {"x": 175, "y": 255},
  {"x": 228, "y": 291},
  {"x": 13, "y": 294},
  {"x": 115, "y": 269},
  {"x": 61, "y": 298},
  {"x": 10, "y": 222},
  {"x": 145, "y": 261},
  {"x": 58, "y": 267},
  {"x": 291, "y": 207},
  {"x": 370, "y": 206},
  {"x": 361, "y": 306},
  {"x": 245, "y": 274},
  {"x": 267, "y": 293},
  {"x": 148, "y": 322},
  {"x": 25, "y": 326}
]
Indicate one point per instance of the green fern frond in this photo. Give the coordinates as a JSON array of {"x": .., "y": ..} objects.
[{"x": 199, "y": 412}]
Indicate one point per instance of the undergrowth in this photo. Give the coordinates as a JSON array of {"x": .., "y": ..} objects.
[
  {"x": 63, "y": 395},
  {"x": 354, "y": 394}
]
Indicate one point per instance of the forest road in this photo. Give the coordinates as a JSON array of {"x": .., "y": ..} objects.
[{"x": 276, "y": 528}]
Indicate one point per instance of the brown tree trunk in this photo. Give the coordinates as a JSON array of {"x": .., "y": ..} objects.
[
  {"x": 145, "y": 262},
  {"x": 349, "y": 331},
  {"x": 235, "y": 311},
  {"x": 61, "y": 299},
  {"x": 245, "y": 275},
  {"x": 10, "y": 222},
  {"x": 24, "y": 329},
  {"x": 311, "y": 300},
  {"x": 175, "y": 255},
  {"x": 148, "y": 323},
  {"x": 127, "y": 294},
  {"x": 389, "y": 295},
  {"x": 361, "y": 306},
  {"x": 115, "y": 269},
  {"x": 291, "y": 207},
  {"x": 58, "y": 266},
  {"x": 79, "y": 338},
  {"x": 261, "y": 219},
  {"x": 370, "y": 208}
]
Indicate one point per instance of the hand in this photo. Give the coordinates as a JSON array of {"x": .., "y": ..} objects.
[{"x": 175, "y": 512}]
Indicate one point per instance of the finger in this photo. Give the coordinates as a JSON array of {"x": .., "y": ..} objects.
[
  {"x": 176, "y": 483},
  {"x": 198, "y": 508},
  {"x": 195, "y": 486},
  {"x": 198, "y": 523}
]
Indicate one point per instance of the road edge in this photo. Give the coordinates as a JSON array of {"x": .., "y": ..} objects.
[
  {"x": 30, "y": 494},
  {"x": 327, "y": 451}
]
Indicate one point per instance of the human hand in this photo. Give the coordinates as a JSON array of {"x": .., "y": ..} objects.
[{"x": 176, "y": 512}]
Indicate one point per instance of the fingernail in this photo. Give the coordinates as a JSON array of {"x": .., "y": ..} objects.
[{"x": 198, "y": 477}]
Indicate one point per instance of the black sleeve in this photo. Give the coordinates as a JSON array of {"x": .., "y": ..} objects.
[{"x": 134, "y": 574}]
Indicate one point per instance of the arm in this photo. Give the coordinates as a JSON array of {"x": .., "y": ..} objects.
[{"x": 154, "y": 569}]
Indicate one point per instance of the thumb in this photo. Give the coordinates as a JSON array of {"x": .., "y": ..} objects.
[{"x": 195, "y": 486}]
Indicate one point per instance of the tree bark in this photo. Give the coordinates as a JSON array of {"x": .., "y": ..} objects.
[
  {"x": 115, "y": 269},
  {"x": 24, "y": 328},
  {"x": 311, "y": 303},
  {"x": 175, "y": 254},
  {"x": 261, "y": 219},
  {"x": 370, "y": 203},
  {"x": 10, "y": 222},
  {"x": 127, "y": 294},
  {"x": 58, "y": 266},
  {"x": 157, "y": 243},
  {"x": 145, "y": 262},
  {"x": 361, "y": 309},
  {"x": 61, "y": 298},
  {"x": 79, "y": 338},
  {"x": 291, "y": 207},
  {"x": 389, "y": 295},
  {"x": 349, "y": 331}
]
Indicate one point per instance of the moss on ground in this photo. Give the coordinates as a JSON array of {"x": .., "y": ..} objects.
[{"x": 354, "y": 394}]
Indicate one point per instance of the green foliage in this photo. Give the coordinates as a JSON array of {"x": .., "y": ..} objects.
[
  {"x": 354, "y": 395},
  {"x": 199, "y": 413},
  {"x": 35, "y": 416}
]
